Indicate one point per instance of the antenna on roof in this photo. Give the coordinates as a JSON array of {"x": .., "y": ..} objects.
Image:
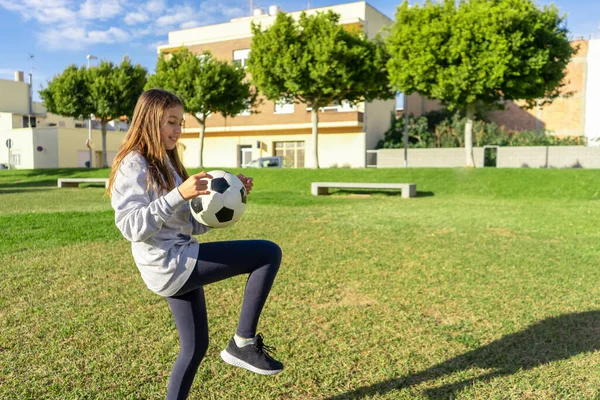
[
  {"x": 30, "y": 89},
  {"x": 251, "y": 8}
]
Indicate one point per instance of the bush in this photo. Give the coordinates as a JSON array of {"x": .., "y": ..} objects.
[{"x": 442, "y": 129}]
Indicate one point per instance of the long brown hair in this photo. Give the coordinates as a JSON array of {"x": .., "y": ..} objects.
[{"x": 143, "y": 137}]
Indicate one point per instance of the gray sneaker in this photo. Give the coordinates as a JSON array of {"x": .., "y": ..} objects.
[{"x": 253, "y": 357}]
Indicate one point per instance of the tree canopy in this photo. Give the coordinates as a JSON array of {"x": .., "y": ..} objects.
[
  {"x": 205, "y": 84},
  {"x": 107, "y": 91},
  {"x": 479, "y": 51},
  {"x": 317, "y": 61}
]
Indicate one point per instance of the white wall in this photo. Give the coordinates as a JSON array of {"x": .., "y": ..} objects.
[
  {"x": 47, "y": 155},
  {"x": 240, "y": 27},
  {"x": 592, "y": 90},
  {"x": 22, "y": 141},
  {"x": 375, "y": 21},
  {"x": 6, "y": 121}
]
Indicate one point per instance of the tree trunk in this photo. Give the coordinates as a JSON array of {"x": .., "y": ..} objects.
[
  {"x": 104, "y": 155},
  {"x": 202, "y": 123},
  {"x": 314, "y": 113},
  {"x": 469, "y": 135}
]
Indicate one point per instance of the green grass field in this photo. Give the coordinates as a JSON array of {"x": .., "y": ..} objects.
[{"x": 485, "y": 286}]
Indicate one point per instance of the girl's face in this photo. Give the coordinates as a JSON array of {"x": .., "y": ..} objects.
[{"x": 170, "y": 126}]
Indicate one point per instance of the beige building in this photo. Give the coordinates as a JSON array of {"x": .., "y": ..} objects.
[
  {"x": 39, "y": 139},
  {"x": 575, "y": 115},
  {"x": 345, "y": 131}
]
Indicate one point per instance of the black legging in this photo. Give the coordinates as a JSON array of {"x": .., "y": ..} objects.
[{"x": 218, "y": 261}]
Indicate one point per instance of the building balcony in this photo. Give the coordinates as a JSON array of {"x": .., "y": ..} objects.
[{"x": 299, "y": 120}]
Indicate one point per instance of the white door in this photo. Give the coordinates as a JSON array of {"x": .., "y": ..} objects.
[{"x": 246, "y": 156}]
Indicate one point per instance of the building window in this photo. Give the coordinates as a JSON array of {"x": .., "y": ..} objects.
[
  {"x": 399, "y": 101},
  {"x": 291, "y": 152},
  {"x": 240, "y": 57},
  {"x": 26, "y": 120},
  {"x": 339, "y": 106},
  {"x": 282, "y": 107},
  {"x": 245, "y": 113},
  {"x": 16, "y": 159}
]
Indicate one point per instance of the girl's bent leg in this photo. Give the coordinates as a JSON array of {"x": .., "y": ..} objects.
[
  {"x": 189, "y": 312},
  {"x": 222, "y": 260}
]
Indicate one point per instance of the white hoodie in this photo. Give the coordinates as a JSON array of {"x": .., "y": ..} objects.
[{"x": 159, "y": 227}]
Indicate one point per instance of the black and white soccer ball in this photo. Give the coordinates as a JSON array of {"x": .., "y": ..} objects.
[{"x": 224, "y": 205}]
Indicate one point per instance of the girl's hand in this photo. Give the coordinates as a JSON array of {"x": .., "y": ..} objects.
[
  {"x": 194, "y": 186},
  {"x": 247, "y": 181}
]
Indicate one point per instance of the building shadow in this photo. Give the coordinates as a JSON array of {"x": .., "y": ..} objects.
[
  {"x": 552, "y": 339},
  {"x": 516, "y": 118}
]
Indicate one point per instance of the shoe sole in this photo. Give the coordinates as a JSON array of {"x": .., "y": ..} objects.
[{"x": 236, "y": 362}]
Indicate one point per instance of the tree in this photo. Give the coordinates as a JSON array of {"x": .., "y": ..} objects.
[
  {"x": 316, "y": 61},
  {"x": 479, "y": 51},
  {"x": 107, "y": 91},
  {"x": 205, "y": 84}
]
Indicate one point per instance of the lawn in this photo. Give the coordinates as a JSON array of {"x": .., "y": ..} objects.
[{"x": 486, "y": 285}]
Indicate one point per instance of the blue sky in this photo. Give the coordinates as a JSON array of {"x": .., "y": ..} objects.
[{"x": 62, "y": 32}]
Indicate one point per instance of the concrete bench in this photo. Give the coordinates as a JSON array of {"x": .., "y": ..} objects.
[
  {"x": 408, "y": 189},
  {"x": 74, "y": 182}
]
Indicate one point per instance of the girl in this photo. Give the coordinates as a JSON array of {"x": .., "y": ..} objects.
[{"x": 150, "y": 190}]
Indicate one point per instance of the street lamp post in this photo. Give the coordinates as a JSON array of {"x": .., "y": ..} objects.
[{"x": 89, "y": 141}]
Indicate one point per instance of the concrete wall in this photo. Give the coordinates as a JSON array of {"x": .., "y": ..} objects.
[
  {"x": 549, "y": 157},
  {"x": 507, "y": 157},
  {"x": 427, "y": 158},
  {"x": 592, "y": 106}
]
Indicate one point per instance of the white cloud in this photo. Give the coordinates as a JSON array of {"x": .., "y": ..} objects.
[
  {"x": 189, "y": 24},
  {"x": 78, "y": 38},
  {"x": 156, "y": 6},
  {"x": 179, "y": 16},
  {"x": 45, "y": 12},
  {"x": 136, "y": 18},
  {"x": 76, "y": 24},
  {"x": 100, "y": 9},
  {"x": 109, "y": 36}
]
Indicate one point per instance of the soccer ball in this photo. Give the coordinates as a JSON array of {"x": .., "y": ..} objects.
[{"x": 224, "y": 205}]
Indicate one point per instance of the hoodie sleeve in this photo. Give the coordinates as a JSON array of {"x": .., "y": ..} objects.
[
  {"x": 198, "y": 228},
  {"x": 137, "y": 217}
]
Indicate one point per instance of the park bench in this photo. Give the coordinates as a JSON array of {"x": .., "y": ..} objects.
[
  {"x": 408, "y": 189},
  {"x": 74, "y": 182}
]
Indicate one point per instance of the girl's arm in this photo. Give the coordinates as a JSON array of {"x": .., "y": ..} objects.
[{"x": 137, "y": 217}]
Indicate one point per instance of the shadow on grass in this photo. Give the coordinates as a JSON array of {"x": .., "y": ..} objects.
[
  {"x": 25, "y": 184},
  {"x": 369, "y": 192},
  {"x": 11, "y": 190},
  {"x": 552, "y": 339}
]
